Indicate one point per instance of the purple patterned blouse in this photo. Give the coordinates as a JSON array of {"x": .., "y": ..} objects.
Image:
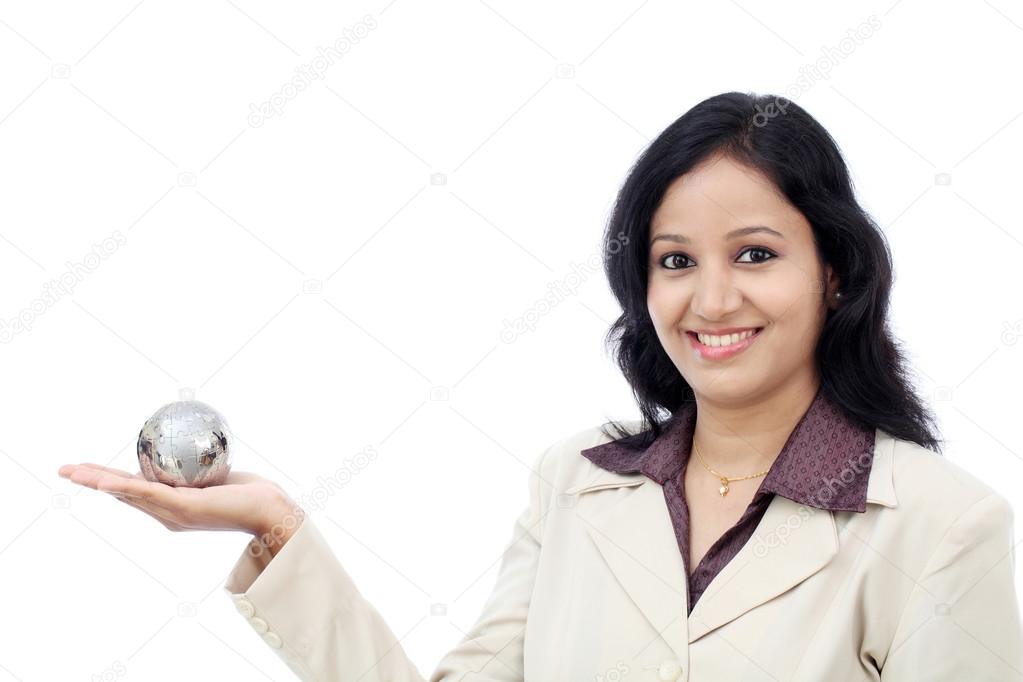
[{"x": 825, "y": 463}]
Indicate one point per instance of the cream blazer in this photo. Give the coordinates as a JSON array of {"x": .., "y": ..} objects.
[{"x": 592, "y": 588}]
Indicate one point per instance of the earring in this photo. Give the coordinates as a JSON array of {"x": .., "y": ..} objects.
[{"x": 838, "y": 294}]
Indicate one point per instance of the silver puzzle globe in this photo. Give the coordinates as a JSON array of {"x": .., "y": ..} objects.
[{"x": 185, "y": 444}]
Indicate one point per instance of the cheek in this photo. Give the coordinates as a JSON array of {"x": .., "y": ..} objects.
[
  {"x": 795, "y": 308},
  {"x": 664, "y": 306}
]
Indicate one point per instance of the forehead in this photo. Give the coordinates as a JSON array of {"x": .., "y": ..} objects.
[{"x": 721, "y": 194}]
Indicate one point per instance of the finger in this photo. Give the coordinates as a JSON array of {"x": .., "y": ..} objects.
[
  {"x": 98, "y": 479},
  {"x": 148, "y": 491},
  {"x": 68, "y": 470},
  {"x": 82, "y": 475},
  {"x": 111, "y": 470}
]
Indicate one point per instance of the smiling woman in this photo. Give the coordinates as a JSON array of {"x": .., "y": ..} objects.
[
  {"x": 736, "y": 220},
  {"x": 820, "y": 537}
]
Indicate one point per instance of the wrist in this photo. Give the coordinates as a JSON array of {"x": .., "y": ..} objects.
[{"x": 282, "y": 520}]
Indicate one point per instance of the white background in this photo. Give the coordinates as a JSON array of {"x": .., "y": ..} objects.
[{"x": 310, "y": 278}]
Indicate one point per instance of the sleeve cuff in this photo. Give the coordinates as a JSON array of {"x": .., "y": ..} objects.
[{"x": 304, "y": 604}]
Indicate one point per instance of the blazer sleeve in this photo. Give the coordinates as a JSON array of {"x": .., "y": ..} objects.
[
  {"x": 306, "y": 607},
  {"x": 962, "y": 619}
]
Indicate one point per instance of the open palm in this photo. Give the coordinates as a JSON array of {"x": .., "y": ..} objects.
[{"x": 245, "y": 501}]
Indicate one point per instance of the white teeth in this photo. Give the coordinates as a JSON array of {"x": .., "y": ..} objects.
[{"x": 726, "y": 340}]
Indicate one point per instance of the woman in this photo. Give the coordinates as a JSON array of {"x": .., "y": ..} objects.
[{"x": 817, "y": 535}]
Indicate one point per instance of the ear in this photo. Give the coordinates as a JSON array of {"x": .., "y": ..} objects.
[{"x": 831, "y": 286}]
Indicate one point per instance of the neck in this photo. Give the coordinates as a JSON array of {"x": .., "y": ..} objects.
[{"x": 741, "y": 438}]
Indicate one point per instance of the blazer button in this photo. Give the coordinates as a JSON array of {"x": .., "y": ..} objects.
[
  {"x": 273, "y": 639},
  {"x": 258, "y": 624},
  {"x": 244, "y": 607},
  {"x": 669, "y": 671}
]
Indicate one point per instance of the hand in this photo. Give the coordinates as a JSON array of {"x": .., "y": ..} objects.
[{"x": 245, "y": 502}]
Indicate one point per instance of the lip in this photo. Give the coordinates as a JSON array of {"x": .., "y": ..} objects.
[
  {"x": 722, "y": 352},
  {"x": 723, "y": 330}
]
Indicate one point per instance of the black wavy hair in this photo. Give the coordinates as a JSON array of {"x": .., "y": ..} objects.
[{"x": 861, "y": 367}]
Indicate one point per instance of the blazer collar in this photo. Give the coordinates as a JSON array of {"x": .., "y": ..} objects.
[
  {"x": 635, "y": 536},
  {"x": 825, "y": 463}
]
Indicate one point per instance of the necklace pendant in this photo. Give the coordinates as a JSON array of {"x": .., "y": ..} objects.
[{"x": 723, "y": 490}]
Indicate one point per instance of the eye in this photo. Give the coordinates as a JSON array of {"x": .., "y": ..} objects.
[
  {"x": 759, "y": 249},
  {"x": 671, "y": 261},
  {"x": 675, "y": 261}
]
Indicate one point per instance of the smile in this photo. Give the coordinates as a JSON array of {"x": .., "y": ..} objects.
[{"x": 709, "y": 351}]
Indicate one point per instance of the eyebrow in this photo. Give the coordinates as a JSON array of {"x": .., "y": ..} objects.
[{"x": 741, "y": 232}]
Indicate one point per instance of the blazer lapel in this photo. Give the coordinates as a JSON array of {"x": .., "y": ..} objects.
[
  {"x": 791, "y": 543},
  {"x": 637, "y": 540}
]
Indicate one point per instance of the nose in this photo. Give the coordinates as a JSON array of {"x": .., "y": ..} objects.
[{"x": 715, "y": 295}]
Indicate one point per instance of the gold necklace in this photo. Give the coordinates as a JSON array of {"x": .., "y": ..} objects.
[{"x": 725, "y": 480}]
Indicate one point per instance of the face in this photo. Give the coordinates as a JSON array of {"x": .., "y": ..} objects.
[{"x": 727, "y": 251}]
